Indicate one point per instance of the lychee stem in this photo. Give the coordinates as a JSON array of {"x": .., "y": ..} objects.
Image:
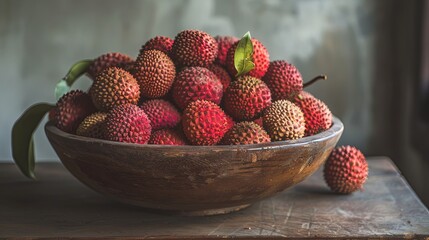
[{"x": 317, "y": 78}]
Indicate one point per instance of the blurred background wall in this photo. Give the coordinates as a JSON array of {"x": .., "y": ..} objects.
[{"x": 351, "y": 41}]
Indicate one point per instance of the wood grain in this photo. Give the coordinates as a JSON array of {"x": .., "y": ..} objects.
[
  {"x": 192, "y": 180},
  {"x": 57, "y": 205}
]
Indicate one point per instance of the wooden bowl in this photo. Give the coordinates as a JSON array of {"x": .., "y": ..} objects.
[{"x": 192, "y": 180}]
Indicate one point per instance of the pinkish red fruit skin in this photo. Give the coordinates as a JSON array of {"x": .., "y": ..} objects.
[
  {"x": 246, "y": 98},
  {"x": 223, "y": 75},
  {"x": 224, "y": 43},
  {"x": 346, "y": 170},
  {"x": 261, "y": 59},
  {"x": 128, "y": 123},
  {"x": 161, "y": 113},
  {"x": 167, "y": 137},
  {"x": 283, "y": 79},
  {"x": 194, "y": 48},
  {"x": 160, "y": 43},
  {"x": 204, "y": 123},
  {"x": 113, "y": 59},
  {"x": 71, "y": 109},
  {"x": 196, "y": 83},
  {"x": 318, "y": 117}
]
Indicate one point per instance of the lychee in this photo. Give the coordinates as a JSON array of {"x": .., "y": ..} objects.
[
  {"x": 246, "y": 98},
  {"x": 161, "y": 43},
  {"x": 204, "y": 123},
  {"x": 260, "y": 58},
  {"x": 223, "y": 75},
  {"x": 246, "y": 133},
  {"x": 113, "y": 87},
  {"x": 155, "y": 73},
  {"x": 224, "y": 43},
  {"x": 283, "y": 79},
  {"x": 283, "y": 120},
  {"x": 167, "y": 137},
  {"x": 161, "y": 113},
  {"x": 128, "y": 123},
  {"x": 194, "y": 48},
  {"x": 71, "y": 109},
  {"x": 196, "y": 83},
  {"x": 113, "y": 59},
  {"x": 93, "y": 126},
  {"x": 346, "y": 170},
  {"x": 317, "y": 115}
]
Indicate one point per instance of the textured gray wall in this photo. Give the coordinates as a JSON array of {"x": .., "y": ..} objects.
[{"x": 39, "y": 40}]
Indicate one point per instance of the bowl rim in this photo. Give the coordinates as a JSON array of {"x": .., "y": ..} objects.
[{"x": 336, "y": 128}]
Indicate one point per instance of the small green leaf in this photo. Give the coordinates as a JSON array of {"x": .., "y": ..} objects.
[
  {"x": 22, "y": 137},
  {"x": 243, "y": 56},
  {"x": 76, "y": 70}
]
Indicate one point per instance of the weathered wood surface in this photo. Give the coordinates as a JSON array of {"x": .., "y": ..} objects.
[{"x": 57, "y": 205}]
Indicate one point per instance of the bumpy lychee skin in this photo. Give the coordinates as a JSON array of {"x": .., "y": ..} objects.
[
  {"x": 114, "y": 59},
  {"x": 246, "y": 133},
  {"x": 196, "y": 83},
  {"x": 71, "y": 109},
  {"x": 155, "y": 73},
  {"x": 167, "y": 137},
  {"x": 113, "y": 87},
  {"x": 128, "y": 123},
  {"x": 223, "y": 75},
  {"x": 261, "y": 59},
  {"x": 346, "y": 170},
  {"x": 93, "y": 126},
  {"x": 194, "y": 48},
  {"x": 161, "y": 113},
  {"x": 246, "y": 98},
  {"x": 283, "y": 79},
  {"x": 318, "y": 117},
  {"x": 259, "y": 121},
  {"x": 224, "y": 43},
  {"x": 204, "y": 123},
  {"x": 283, "y": 120},
  {"x": 160, "y": 43}
]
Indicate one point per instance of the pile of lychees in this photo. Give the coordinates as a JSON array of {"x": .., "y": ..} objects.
[
  {"x": 189, "y": 91},
  {"x": 192, "y": 91}
]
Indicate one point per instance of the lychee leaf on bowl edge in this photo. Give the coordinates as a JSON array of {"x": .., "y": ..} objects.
[
  {"x": 243, "y": 55},
  {"x": 76, "y": 70},
  {"x": 22, "y": 137}
]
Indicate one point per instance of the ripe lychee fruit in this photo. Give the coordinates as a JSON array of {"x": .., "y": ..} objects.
[
  {"x": 114, "y": 59},
  {"x": 246, "y": 133},
  {"x": 204, "y": 123},
  {"x": 155, "y": 73},
  {"x": 246, "y": 98},
  {"x": 346, "y": 170},
  {"x": 260, "y": 58},
  {"x": 128, "y": 123},
  {"x": 318, "y": 117},
  {"x": 283, "y": 79},
  {"x": 224, "y": 43},
  {"x": 196, "y": 83},
  {"x": 283, "y": 120},
  {"x": 223, "y": 75},
  {"x": 167, "y": 137},
  {"x": 71, "y": 109},
  {"x": 160, "y": 43},
  {"x": 194, "y": 48},
  {"x": 93, "y": 126},
  {"x": 113, "y": 87},
  {"x": 161, "y": 113}
]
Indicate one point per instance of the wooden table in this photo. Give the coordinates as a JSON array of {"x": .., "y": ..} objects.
[{"x": 57, "y": 205}]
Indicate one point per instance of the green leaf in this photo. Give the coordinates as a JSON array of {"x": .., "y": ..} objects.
[
  {"x": 22, "y": 137},
  {"x": 76, "y": 70},
  {"x": 243, "y": 56}
]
